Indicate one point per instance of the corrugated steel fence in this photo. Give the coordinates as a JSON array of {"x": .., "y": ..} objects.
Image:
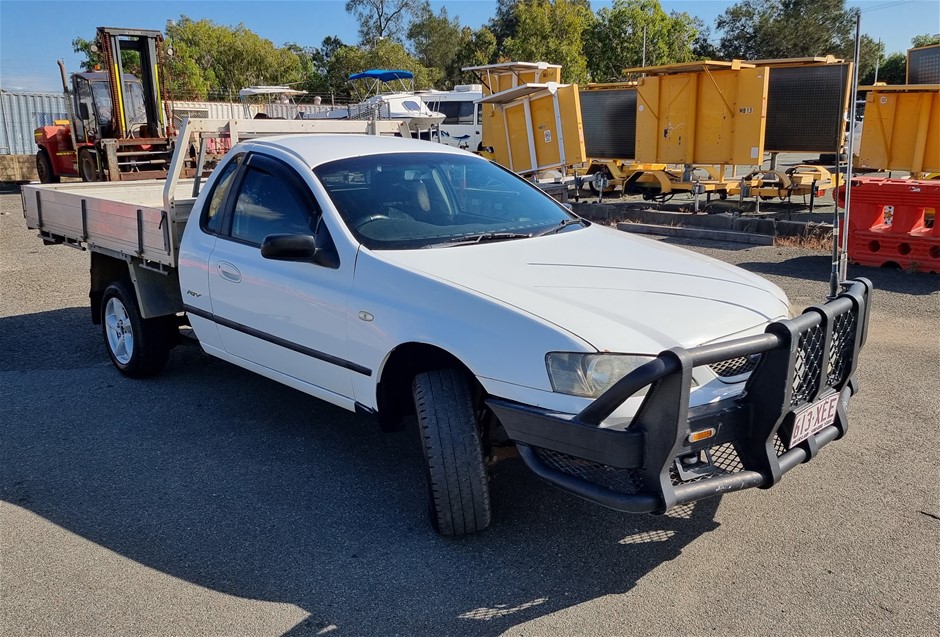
[{"x": 23, "y": 113}]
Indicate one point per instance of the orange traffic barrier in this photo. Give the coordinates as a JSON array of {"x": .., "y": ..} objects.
[{"x": 892, "y": 222}]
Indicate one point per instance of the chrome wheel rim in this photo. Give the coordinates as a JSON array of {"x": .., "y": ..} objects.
[{"x": 118, "y": 330}]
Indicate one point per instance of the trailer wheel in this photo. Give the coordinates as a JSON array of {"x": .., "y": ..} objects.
[
  {"x": 138, "y": 347},
  {"x": 608, "y": 189},
  {"x": 87, "y": 165},
  {"x": 44, "y": 169},
  {"x": 459, "y": 495}
]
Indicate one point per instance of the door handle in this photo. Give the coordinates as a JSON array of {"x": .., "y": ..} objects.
[{"x": 229, "y": 272}]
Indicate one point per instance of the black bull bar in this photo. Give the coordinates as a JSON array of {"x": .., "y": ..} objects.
[{"x": 639, "y": 469}]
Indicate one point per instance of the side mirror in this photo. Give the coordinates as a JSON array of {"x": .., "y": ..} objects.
[
  {"x": 83, "y": 111},
  {"x": 298, "y": 247}
]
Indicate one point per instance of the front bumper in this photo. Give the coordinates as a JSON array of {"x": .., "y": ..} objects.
[{"x": 651, "y": 466}]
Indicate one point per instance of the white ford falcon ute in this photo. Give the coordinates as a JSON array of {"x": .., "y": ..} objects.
[{"x": 405, "y": 279}]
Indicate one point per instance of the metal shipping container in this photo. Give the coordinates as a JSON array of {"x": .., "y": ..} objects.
[{"x": 23, "y": 113}]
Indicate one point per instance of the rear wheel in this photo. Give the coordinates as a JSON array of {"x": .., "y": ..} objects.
[
  {"x": 453, "y": 454},
  {"x": 44, "y": 169},
  {"x": 87, "y": 165},
  {"x": 138, "y": 347}
]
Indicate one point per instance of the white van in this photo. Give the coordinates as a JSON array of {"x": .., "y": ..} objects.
[{"x": 463, "y": 123}]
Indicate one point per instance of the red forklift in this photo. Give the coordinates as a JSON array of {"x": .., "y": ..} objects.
[{"x": 116, "y": 128}]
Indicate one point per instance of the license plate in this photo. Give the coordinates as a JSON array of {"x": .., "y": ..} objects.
[{"x": 813, "y": 418}]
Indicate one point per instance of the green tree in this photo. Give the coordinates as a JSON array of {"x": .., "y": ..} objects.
[
  {"x": 476, "y": 49},
  {"x": 93, "y": 61},
  {"x": 766, "y": 29},
  {"x": 435, "y": 39},
  {"x": 227, "y": 59},
  {"x": 703, "y": 48},
  {"x": 385, "y": 54},
  {"x": 551, "y": 31},
  {"x": 615, "y": 40},
  {"x": 503, "y": 23},
  {"x": 892, "y": 70},
  {"x": 924, "y": 40},
  {"x": 379, "y": 19},
  {"x": 871, "y": 53}
]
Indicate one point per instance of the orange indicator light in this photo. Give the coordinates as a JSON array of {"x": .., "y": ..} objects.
[{"x": 695, "y": 436}]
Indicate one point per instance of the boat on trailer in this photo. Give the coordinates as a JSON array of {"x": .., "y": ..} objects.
[{"x": 385, "y": 94}]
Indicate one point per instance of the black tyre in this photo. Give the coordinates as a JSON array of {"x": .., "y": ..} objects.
[
  {"x": 87, "y": 165},
  {"x": 44, "y": 169},
  {"x": 456, "y": 473},
  {"x": 138, "y": 347}
]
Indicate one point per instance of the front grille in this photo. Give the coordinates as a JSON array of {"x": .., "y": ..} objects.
[
  {"x": 808, "y": 362},
  {"x": 735, "y": 366},
  {"x": 620, "y": 480},
  {"x": 841, "y": 347}
]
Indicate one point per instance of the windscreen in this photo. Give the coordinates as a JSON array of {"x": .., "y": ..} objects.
[{"x": 416, "y": 200}]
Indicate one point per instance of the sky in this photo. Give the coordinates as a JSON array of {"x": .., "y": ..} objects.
[{"x": 34, "y": 34}]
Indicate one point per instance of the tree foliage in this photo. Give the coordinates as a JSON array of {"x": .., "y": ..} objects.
[
  {"x": 924, "y": 40},
  {"x": 617, "y": 38},
  {"x": 231, "y": 58},
  {"x": 379, "y": 19},
  {"x": 385, "y": 54},
  {"x": 91, "y": 49},
  {"x": 551, "y": 31},
  {"x": 212, "y": 61},
  {"x": 435, "y": 39},
  {"x": 892, "y": 70},
  {"x": 762, "y": 29}
]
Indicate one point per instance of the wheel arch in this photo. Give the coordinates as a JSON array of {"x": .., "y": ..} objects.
[
  {"x": 105, "y": 270},
  {"x": 401, "y": 365}
]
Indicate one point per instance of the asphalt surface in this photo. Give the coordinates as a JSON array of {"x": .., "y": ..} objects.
[{"x": 210, "y": 501}]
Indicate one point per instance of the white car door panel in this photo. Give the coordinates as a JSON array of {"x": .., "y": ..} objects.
[{"x": 288, "y": 316}]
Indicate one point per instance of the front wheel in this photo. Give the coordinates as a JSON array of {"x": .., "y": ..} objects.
[
  {"x": 44, "y": 169},
  {"x": 455, "y": 470},
  {"x": 88, "y": 165},
  {"x": 138, "y": 347}
]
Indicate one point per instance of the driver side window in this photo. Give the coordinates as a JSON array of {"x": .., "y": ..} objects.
[{"x": 270, "y": 203}]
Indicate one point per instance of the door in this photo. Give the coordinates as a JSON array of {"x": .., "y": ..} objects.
[{"x": 286, "y": 316}]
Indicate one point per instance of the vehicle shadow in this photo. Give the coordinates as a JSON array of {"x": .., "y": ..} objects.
[
  {"x": 818, "y": 268},
  {"x": 235, "y": 483}
]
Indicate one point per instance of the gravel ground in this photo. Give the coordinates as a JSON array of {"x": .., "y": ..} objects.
[{"x": 210, "y": 501}]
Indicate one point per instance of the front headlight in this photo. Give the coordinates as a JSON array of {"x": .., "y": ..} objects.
[{"x": 590, "y": 375}]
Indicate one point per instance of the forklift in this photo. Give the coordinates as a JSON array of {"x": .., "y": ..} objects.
[{"x": 116, "y": 128}]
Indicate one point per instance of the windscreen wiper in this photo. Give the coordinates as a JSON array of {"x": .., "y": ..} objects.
[
  {"x": 482, "y": 238},
  {"x": 561, "y": 226}
]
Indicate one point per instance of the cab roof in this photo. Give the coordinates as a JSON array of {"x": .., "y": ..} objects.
[{"x": 317, "y": 149}]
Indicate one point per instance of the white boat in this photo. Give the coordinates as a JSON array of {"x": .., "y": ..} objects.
[{"x": 381, "y": 99}]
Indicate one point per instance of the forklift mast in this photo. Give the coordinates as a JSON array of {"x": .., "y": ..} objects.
[{"x": 147, "y": 43}]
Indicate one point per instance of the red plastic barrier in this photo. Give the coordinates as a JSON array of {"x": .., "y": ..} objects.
[{"x": 892, "y": 222}]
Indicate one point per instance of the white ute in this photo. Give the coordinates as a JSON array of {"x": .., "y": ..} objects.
[{"x": 398, "y": 277}]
